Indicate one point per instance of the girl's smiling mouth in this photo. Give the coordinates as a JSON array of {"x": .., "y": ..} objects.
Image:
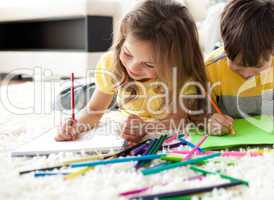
[{"x": 133, "y": 74}]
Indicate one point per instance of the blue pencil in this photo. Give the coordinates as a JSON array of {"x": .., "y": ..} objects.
[
  {"x": 118, "y": 160},
  {"x": 190, "y": 144},
  {"x": 42, "y": 174}
]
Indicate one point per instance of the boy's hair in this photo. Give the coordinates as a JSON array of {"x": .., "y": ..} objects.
[
  {"x": 247, "y": 28},
  {"x": 173, "y": 33}
]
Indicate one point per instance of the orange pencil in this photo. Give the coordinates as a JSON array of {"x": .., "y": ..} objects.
[
  {"x": 218, "y": 110},
  {"x": 214, "y": 104}
]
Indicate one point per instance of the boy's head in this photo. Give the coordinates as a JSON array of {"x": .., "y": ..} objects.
[{"x": 247, "y": 28}]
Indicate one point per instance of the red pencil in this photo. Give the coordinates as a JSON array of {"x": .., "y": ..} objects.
[{"x": 72, "y": 97}]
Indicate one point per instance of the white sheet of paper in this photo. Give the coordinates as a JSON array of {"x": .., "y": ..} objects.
[{"x": 101, "y": 139}]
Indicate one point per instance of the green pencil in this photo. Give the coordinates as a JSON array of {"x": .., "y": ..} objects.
[
  {"x": 159, "y": 169},
  {"x": 153, "y": 150},
  {"x": 205, "y": 172}
]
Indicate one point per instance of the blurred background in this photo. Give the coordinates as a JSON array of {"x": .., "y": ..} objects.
[{"x": 61, "y": 36}]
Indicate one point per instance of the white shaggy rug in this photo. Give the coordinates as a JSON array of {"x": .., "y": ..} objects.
[{"x": 106, "y": 182}]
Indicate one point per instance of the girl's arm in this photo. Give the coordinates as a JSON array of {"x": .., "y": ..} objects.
[
  {"x": 175, "y": 121},
  {"x": 135, "y": 128},
  {"x": 96, "y": 107},
  {"x": 88, "y": 118}
]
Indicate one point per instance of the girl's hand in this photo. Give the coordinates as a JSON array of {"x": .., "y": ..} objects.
[
  {"x": 220, "y": 124},
  {"x": 133, "y": 130},
  {"x": 68, "y": 131}
]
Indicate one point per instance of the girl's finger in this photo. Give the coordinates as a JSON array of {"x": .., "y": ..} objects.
[
  {"x": 131, "y": 138},
  {"x": 135, "y": 132},
  {"x": 63, "y": 137},
  {"x": 130, "y": 144}
]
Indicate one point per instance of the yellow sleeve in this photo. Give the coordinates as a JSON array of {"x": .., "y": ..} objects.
[
  {"x": 212, "y": 79},
  {"x": 213, "y": 63},
  {"x": 189, "y": 90},
  {"x": 104, "y": 77}
]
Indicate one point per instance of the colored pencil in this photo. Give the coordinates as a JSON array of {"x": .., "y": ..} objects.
[
  {"x": 176, "y": 198},
  {"x": 190, "y": 144},
  {"x": 153, "y": 150},
  {"x": 77, "y": 173},
  {"x": 96, "y": 157},
  {"x": 206, "y": 172},
  {"x": 159, "y": 169},
  {"x": 126, "y": 151},
  {"x": 218, "y": 110},
  {"x": 188, "y": 156},
  {"x": 140, "y": 150},
  {"x": 135, "y": 191},
  {"x": 223, "y": 154},
  {"x": 89, "y": 158},
  {"x": 186, "y": 192},
  {"x": 144, "y": 189},
  {"x": 41, "y": 169},
  {"x": 170, "y": 139},
  {"x": 173, "y": 157},
  {"x": 43, "y": 174},
  {"x": 152, "y": 144},
  {"x": 174, "y": 145},
  {"x": 117, "y": 160}
]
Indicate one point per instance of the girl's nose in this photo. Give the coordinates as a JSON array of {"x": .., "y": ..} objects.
[{"x": 134, "y": 66}]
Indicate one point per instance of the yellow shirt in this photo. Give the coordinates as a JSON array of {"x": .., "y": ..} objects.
[
  {"x": 235, "y": 95},
  {"x": 148, "y": 103}
]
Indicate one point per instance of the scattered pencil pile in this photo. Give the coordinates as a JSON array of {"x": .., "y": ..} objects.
[{"x": 163, "y": 150}]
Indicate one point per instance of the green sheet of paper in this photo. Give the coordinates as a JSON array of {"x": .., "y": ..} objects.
[{"x": 250, "y": 131}]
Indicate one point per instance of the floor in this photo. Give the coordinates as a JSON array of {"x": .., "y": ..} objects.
[{"x": 18, "y": 127}]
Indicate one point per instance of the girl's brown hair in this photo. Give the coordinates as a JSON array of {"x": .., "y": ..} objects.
[
  {"x": 247, "y": 28},
  {"x": 168, "y": 25}
]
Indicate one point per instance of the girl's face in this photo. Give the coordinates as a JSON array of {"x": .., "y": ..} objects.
[{"x": 137, "y": 57}]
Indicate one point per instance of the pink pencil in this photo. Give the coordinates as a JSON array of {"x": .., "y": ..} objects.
[
  {"x": 136, "y": 191},
  {"x": 141, "y": 190},
  {"x": 224, "y": 154},
  {"x": 169, "y": 140},
  {"x": 241, "y": 154},
  {"x": 72, "y": 97},
  {"x": 188, "y": 156},
  {"x": 188, "y": 151}
]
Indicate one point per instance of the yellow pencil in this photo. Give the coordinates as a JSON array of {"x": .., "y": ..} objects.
[
  {"x": 90, "y": 158},
  {"x": 77, "y": 173}
]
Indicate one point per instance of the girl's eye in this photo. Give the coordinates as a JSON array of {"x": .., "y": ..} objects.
[
  {"x": 127, "y": 55},
  {"x": 150, "y": 66}
]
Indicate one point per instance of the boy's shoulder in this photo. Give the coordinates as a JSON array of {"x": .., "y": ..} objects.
[{"x": 215, "y": 56}]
